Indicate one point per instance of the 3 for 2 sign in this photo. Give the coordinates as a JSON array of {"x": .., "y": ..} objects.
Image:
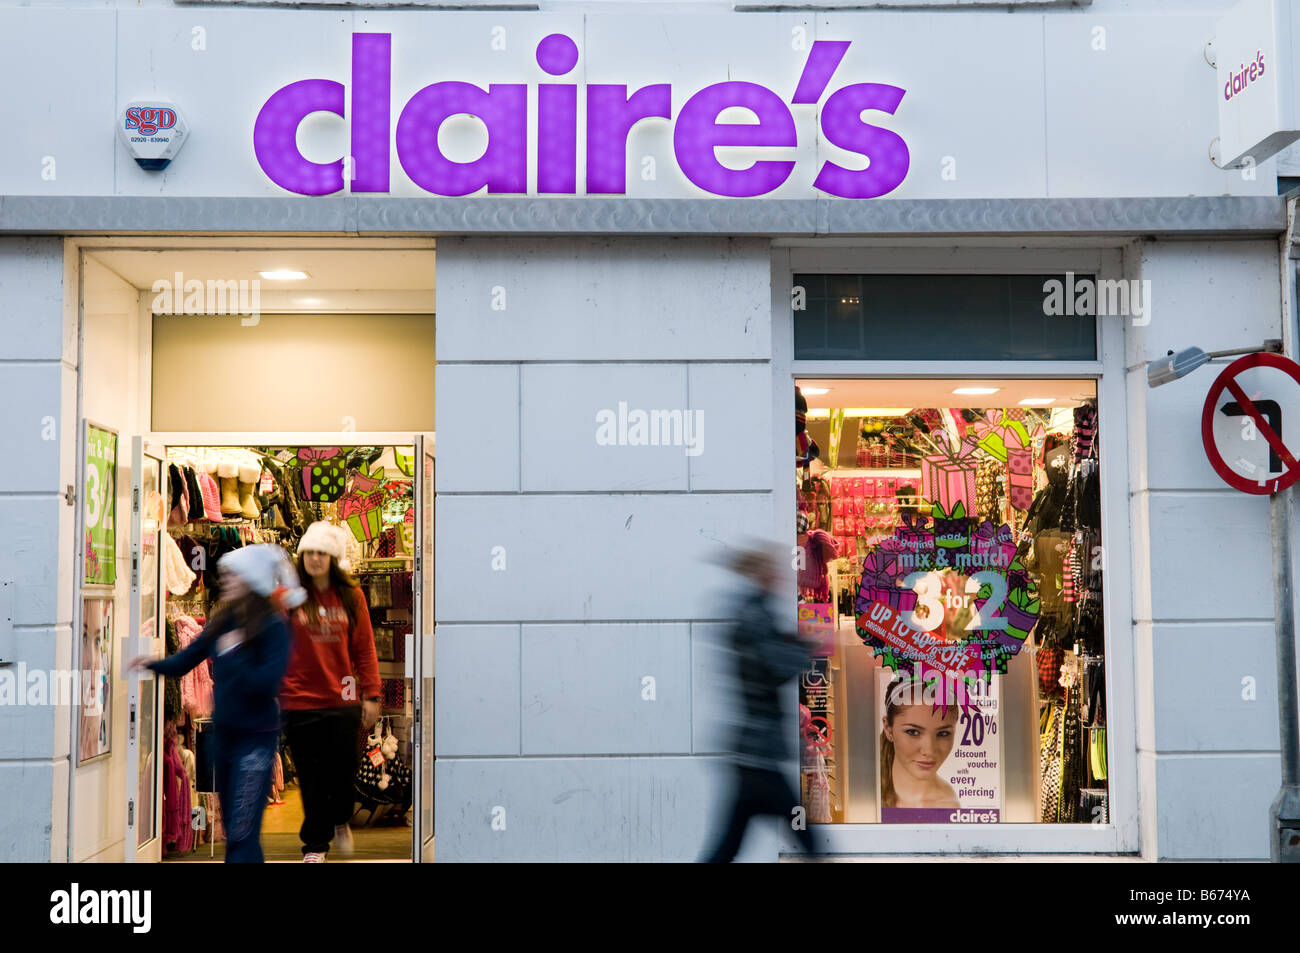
[{"x": 1251, "y": 423}]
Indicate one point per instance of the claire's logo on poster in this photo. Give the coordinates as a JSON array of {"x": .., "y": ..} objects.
[
  {"x": 610, "y": 114},
  {"x": 974, "y": 817}
]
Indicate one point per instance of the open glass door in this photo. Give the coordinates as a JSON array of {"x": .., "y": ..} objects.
[
  {"x": 143, "y": 804},
  {"x": 424, "y": 587}
]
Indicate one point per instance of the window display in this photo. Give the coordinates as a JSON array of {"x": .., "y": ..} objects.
[{"x": 951, "y": 575}]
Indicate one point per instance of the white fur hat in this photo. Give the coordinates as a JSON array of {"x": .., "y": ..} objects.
[
  {"x": 325, "y": 537},
  {"x": 267, "y": 571}
]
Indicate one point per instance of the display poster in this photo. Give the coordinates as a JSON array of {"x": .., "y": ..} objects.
[
  {"x": 942, "y": 742},
  {"x": 816, "y": 627},
  {"x": 96, "y": 732},
  {"x": 814, "y": 687},
  {"x": 101, "y": 505}
]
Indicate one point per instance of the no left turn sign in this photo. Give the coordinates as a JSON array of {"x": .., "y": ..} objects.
[{"x": 1251, "y": 423}]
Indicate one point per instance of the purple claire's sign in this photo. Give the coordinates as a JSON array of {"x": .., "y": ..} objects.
[{"x": 611, "y": 114}]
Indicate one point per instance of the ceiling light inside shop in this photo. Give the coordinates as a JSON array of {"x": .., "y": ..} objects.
[
  {"x": 814, "y": 391},
  {"x": 1037, "y": 401},
  {"x": 284, "y": 274},
  {"x": 818, "y": 412},
  {"x": 976, "y": 391},
  {"x": 875, "y": 411}
]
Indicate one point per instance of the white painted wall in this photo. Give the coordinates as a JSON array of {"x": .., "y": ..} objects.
[
  {"x": 607, "y": 549},
  {"x": 1208, "y": 758},
  {"x": 37, "y": 387}
]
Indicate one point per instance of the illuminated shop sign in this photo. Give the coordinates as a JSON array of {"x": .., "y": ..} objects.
[{"x": 611, "y": 112}]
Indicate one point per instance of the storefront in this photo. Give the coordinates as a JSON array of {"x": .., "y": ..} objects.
[{"x": 660, "y": 235}]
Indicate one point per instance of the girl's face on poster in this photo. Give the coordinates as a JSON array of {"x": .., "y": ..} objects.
[
  {"x": 923, "y": 738},
  {"x": 93, "y": 631}
]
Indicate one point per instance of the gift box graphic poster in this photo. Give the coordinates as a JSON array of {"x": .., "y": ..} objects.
[
  {"x": 322, "y": 473},
  {"x": 949, "y": 479},
  {"x": 361, "y": 506}
]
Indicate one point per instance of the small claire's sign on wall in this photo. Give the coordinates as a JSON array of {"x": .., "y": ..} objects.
[
  {"x": 610, "y": 113},
  {"x": 1254, "y": 58}
]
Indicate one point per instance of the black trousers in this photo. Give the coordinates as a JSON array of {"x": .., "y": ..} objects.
[
  {"x": 325, "y": 752},
  {"x": 756, "y": 793}
]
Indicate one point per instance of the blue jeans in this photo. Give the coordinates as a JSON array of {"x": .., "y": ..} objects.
[{"x": 243, "y": 767}]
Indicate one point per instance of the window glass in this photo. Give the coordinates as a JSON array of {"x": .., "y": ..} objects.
[
  {"x": 950, "y": 585},
  {"x": 945, "y": 317}
]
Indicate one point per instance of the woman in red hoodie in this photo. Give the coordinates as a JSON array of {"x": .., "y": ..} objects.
[{"x": 330, "y": 689}]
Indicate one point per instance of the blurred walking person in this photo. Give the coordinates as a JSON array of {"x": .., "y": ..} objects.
[
  {"x": 247, "y": 639},
  {"x": 766, "y": 658}
]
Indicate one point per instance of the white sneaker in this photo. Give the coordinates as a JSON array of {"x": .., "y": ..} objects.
[
  {"x": 343, "y": 839},
  {"x": 313, "y": 857}
]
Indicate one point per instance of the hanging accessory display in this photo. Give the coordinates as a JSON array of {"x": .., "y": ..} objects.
[
  {"x": 249, "y": 476},
  {"x": 805, "y": 449},
  {"x": 833, "y": 443},
  {"x": 211, "y": 495},
  {"x": 228, "y": 474},
  {"x": 386, "y": 547}
]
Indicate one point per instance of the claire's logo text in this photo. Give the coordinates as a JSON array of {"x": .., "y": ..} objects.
[
  {"x": 611, "y": 112},
  {"x": 1243, "y": 76}
]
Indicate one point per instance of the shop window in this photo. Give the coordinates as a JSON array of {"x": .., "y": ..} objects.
[
  {"x": 951, "y": 585},
  {"x": 944, "y": 317}
]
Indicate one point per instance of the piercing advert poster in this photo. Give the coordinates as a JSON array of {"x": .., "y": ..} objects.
[{"x": 938, "y": 765}]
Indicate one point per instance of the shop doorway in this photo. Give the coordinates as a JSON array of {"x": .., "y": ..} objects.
[
  {"x": 952, "y": 575},
  {"x": 239, "y": 425}
]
